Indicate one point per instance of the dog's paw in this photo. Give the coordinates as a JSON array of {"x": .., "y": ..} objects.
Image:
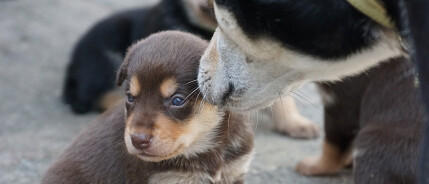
[
  {"x": 298, "y": 127},
  {"x": 289, "y": 121},
  {"x": 315, "y": 166}
]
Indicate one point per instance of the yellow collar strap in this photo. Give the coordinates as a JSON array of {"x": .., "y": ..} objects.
[{"x": 375, "y": 10}]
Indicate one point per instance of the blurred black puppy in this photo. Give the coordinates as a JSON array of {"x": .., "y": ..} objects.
[{"x": 90, "y": 76}]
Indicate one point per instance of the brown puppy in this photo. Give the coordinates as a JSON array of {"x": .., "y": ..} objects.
[
  {"x": 166, "y": 133},
  {"x": 374, "y": 119}
]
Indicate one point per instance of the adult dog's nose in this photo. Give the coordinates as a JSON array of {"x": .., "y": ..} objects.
[{"x": 141, "y": 141}]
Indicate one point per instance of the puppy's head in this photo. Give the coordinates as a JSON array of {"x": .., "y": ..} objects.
[
  {"x": 164, "y": 116},
  {"x": 263, "y": 49}
]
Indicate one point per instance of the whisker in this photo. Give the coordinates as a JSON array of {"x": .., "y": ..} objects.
[
  {"x": 272, "y": 112},
  {"x": 190, "y": 82},
  {"x": 249, "y": 118},
  {"x": 202, "y": 101},
  {"x": 296, "y": 98},
  {"x": 196, "y": 99},
  {"x": 254, "y": 117},
  {"x": 203, "y": 104},
  {"x": 257, "y": 120},
  {"x": 300, "y": 92},
  {"x": 192, "y": 92},
  {"x": 302, "y": 97},
  {"x": 283, "y": 109},
  {"x": 314, "y": 105},
  {"x": 229, "y": 117}
]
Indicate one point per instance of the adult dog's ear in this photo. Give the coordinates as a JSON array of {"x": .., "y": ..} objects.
[{"x": 123, "y": 71}]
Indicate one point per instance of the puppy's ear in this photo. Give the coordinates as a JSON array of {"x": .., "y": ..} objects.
[{"x": 123, "y": 71}]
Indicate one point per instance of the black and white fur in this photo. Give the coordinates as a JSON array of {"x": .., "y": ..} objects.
[
  {"x": 267, "y": 48},
  {"x": 264, "y": 49}
]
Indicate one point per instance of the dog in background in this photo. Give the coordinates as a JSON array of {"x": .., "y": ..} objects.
[
  {"x": 166, "y": 134},
  {"x": 264, "y": 49},
  {"x": 89, "y": 83}
]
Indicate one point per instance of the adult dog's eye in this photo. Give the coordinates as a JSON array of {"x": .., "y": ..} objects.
[
  {"x": 178, "y": 101},
  {"x": 130, "y": 98}
]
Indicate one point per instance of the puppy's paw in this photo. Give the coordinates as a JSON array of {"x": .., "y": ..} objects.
[
  {"x": 315, "y": 166},
  {"x": 298, "y": 127}
]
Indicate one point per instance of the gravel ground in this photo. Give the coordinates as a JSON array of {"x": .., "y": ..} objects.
[{"x": 36, "y": 38}]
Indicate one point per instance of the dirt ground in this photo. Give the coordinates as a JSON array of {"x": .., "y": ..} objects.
[{"x": 36, "y": 38}]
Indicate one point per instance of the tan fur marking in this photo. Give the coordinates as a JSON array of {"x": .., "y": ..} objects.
[
  {"x": 109, "y": 100},
  {"x": 127, "y": 133},
  {"x": 199, "y": 131},
  {"x": 129, "y": 119},
  {"x": 166, "y": 127},
  {"x": 135, "y": 86},
  {"x": 168, "y": 87},
  {"x": 330, "y": 162},
  {"x": 165, "y": 134}
]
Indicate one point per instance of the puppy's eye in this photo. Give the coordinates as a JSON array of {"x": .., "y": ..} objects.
[
  {"x": 178, "y": 101},
  {"x": 130, "y": 98}
]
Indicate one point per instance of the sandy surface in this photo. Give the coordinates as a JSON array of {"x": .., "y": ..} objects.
[{"x": 36, "y": 38}]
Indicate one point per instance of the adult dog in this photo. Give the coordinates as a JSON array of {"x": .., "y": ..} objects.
[{"x": 263, "y": 49}]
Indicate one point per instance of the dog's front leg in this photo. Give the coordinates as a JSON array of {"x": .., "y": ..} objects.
[{"x": 342, "y": 104}]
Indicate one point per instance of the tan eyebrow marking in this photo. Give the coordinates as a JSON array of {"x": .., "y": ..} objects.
[
  {"x": 135, "y": 86},
  {"x": 168, "y": 87}
]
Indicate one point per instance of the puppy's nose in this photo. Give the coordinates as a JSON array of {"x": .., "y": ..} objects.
[{"x": 141, "y": 141}]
